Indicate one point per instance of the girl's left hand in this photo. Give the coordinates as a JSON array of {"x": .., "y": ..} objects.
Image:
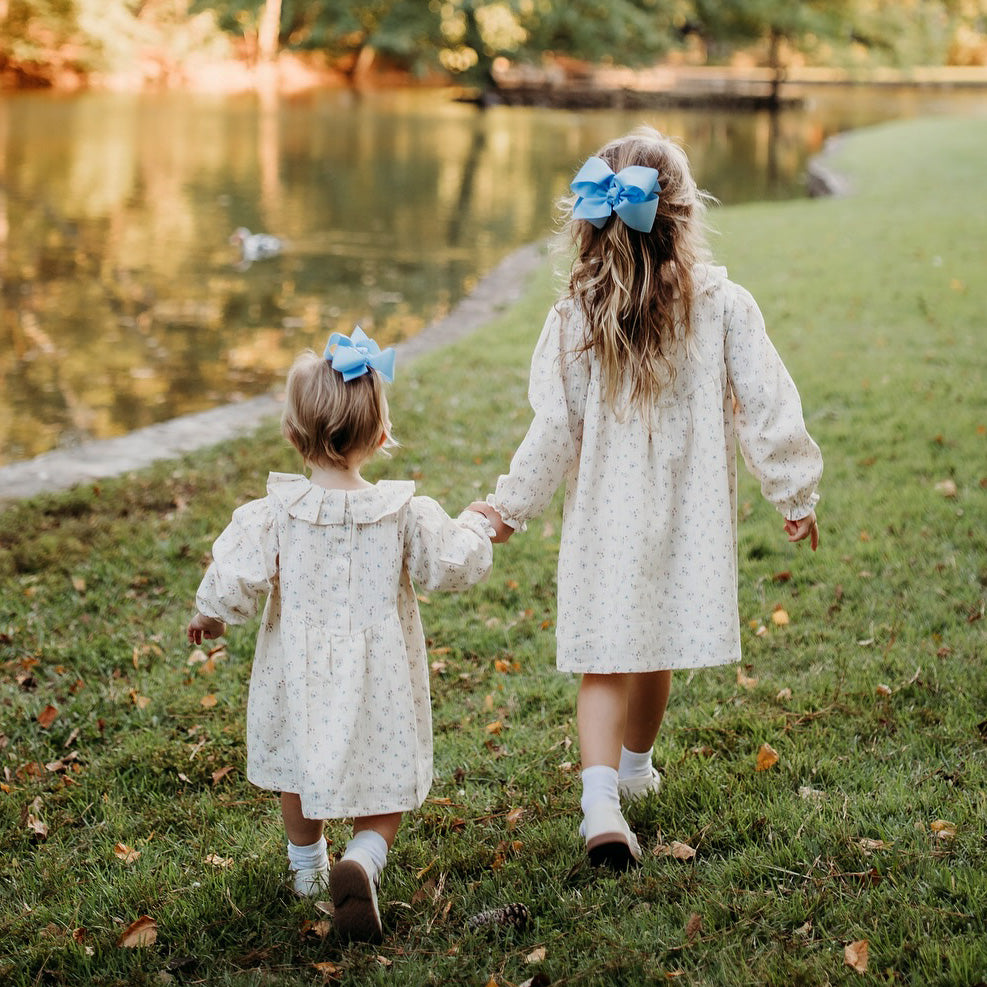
[
  {"x": 201, "y": 626},
  {"x": 804, "y": 527}
]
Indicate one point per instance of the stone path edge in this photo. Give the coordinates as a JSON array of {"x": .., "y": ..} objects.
[{"x": 62, "y": 469}]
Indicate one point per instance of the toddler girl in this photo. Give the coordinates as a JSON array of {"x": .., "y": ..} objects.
[
  {"x": 338, "y": 715},
  {"x": 648, "y": 370}
]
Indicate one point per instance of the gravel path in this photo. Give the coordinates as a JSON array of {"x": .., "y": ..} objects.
[{"x": 89, "y": 461}]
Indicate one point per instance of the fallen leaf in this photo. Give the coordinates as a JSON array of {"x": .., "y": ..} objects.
[
  {"x": 781, "y": 577},
  {"x": 745, "y": 681},
  {"x": 221, "y": 773},
  {"x": 947, "y": 488},
  {"x": 512, "y": 584},
  {"x": 760, "y": 632},
  {"x": 943, "y": 830},
  {"x": 694, "y": 926},
  {"x": 208, "y": 701},
  {"x": 328, "y": 970},
  {"x": 125, "y": 853},
  {"x": 514, "y": 817},
  {"x": 440, "y": 651},
  {"x": 495, "y": 727},
  {"x": 143, "y": 932},
  {"x": 47, "y": 716},
  {"x": 37, "y": 826},
  {"x": 883, "y": 690},
  {"x": 779, "y": 616},
  {"x": 502, "y": 666},
  {"x": 784, "y": 695},
  {"x": 536, "y": 955},
  {"x": 492, "y": 982},
  {"x": 767, "y": 757},
  {"x": 141, "y": 702},
  {"x": 384, "y": 961},
  {"x": 78, "y": 584},
  {"x": 217, "y": 861},
  {"x": 855, "y": 955},
  {"x": 317, "y": 928},
  {"x": 197, "y": 656},
  {"x": 676, "y": 849},
  {"x": 868, "y": 844}
]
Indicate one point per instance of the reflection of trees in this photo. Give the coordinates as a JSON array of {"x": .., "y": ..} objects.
[{"x": 391, "y": 207}]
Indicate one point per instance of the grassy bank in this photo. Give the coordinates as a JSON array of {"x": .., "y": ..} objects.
[{"x": 123, "y": 792}]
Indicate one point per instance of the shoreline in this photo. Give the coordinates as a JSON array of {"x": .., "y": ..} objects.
[{"x": 97, "y": 459}]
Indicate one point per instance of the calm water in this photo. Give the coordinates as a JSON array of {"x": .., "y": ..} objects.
[{"x": 122, "y": 303}]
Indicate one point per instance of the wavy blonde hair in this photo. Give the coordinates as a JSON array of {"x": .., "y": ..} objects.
[
  {"x": 331, "y": 421},
  {"x": 635, "y": 289}
]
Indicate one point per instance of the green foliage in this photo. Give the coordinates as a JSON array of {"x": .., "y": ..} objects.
[{"x": 872, "y": 301}]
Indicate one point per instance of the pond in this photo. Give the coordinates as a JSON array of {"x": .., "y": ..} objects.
[{"x": 125, "y": 304}]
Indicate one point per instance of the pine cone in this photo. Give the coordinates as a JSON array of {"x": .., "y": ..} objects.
[{"x": 515, "y": 914}]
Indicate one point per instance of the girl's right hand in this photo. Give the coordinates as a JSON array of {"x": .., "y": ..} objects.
[
  {"x": 804, "y": 527},
  {"x": 201, "y": 626}
]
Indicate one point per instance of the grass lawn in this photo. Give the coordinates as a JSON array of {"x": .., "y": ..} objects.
[{"x": 122, "y": 756}]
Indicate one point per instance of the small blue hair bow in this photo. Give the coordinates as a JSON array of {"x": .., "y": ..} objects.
[
  {"x": 632, "y": 194},
  {"x": 355, "y": 355}
]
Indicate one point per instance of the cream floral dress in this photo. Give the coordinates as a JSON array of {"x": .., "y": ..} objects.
[
  {"x": 339, "y": 709},
  {"x": 648, "y": 558}
]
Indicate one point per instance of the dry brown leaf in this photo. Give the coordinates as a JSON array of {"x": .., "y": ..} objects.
[
  {"x": 125, "y": 853},
  {"x": 947, "y": 488},
  {"x": 197, "y": 657},
  {"x": 536, "y": 955},
  {"x": 47, "y": 716},
  {"x": 495, "y": 727},
  {"x": 855, "y": 955},
  {"x": 37, "y": 825},
  {"x": 767, "y": 757},
  {"x": 745, "y": 681},
  {"x": 512, "y": 584},
  {"x": 141, "y": 702},
  {"x": 78, "y": 584},
  {"x": 883, "y": 690},
  {"x": 143, "y": 932},
  {"x": 779, "y": 616},
  {"x": 207, "y": 702},
  {"x": 784, "y": 695},
  {"x": 328, "y": 970},
  {"x": 440, "y": 651},
  {"x": 502, "y": 666},
  {"x": 943, "y": 830},
  {"x": 221, "y": 773},
  {"x": 868, "y": 844},
  {"x": 492, "y": 982},
  {"x": 676, "y": 849},
  {"x": 217, "y": 861},
  {"x": 514, "y": 817},
  {"x": 694, "y": 926},
  {"x": 384, "y": 961}
]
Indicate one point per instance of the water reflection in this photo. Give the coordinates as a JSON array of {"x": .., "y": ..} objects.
[{"x": 122, "y": 305}]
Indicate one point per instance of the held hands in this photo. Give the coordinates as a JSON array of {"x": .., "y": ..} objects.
[
  {"x": 201, "y": 627},
  {"x": 503, "y": 531},
  {"x": 805, "y": 527}
]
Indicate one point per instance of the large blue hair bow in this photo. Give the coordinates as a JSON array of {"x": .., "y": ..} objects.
[
  {"x": 632, "y": 194},
  {"x": 354, "y": 355}
]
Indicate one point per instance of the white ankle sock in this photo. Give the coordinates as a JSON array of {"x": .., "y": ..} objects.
[
  {"x": 634, "y": 764},
  {"x": 312, "y": 857},
  {"x": 369, "y": 849},
  {"x": 599, "y": 785}
]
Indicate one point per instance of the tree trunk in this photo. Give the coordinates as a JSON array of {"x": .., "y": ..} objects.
[
  {"x": 269, "y": 31},
  {"x": 777, "y": 68}
]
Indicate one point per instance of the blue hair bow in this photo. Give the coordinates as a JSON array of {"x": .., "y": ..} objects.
[
  {"x": 632, "y": 194},
  {"x": 355, "y": 355}
]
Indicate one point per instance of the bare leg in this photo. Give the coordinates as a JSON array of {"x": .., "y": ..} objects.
[
  {"x": 301, "y": 831},
  {"x": 646, "y": 703},
  {"x": 387, "y": 825},
  {"x": 601, "y": 717}
]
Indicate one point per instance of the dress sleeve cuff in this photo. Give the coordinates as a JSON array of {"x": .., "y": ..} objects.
[
  {"x": 800, "y": 509},
  {"x": 505, "y": 515}
]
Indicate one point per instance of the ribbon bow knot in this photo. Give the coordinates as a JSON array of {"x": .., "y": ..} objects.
[
  {"x": 631, "y": 193},
  {"x": 355, "y": 355}
]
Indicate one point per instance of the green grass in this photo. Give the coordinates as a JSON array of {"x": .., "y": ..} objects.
[{"x": 876, "y": 304}]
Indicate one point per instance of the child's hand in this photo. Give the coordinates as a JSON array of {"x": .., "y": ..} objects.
[
  {"x": 503, "y": 531},
  {"x": 805, "y": 527},
  {"x": 201, "y": 627}
]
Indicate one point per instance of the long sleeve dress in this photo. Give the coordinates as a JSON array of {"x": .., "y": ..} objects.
[
  {"x": 647, "y": 572},
  {"x": 339, "y": 706}
]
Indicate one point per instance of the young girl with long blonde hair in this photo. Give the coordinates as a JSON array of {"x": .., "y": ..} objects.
[{"x": 649, "y": 370}]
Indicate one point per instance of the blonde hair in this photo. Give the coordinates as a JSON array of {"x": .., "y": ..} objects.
[
  {"x": 635, "y": 289},
  {"x": 332, "y": 422}
]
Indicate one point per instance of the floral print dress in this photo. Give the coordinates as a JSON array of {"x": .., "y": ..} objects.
[
  {"x": 647, "y": 574},
  {"x": 339, "y": 708}
]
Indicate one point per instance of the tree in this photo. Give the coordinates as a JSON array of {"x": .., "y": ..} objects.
[{"x": 775, "y": 22}]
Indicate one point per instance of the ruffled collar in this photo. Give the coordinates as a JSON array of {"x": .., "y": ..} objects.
[{"x": 304, "y": 500}]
